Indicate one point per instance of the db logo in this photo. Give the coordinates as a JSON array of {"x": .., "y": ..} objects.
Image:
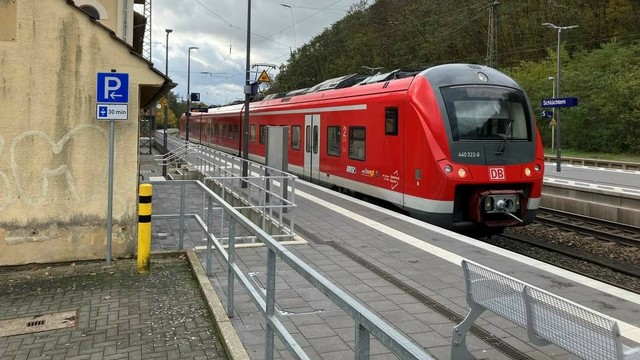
[{"x": 496, "y": 174}]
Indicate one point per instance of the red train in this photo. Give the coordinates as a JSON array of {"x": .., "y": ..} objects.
[{"x": 455, "y": 145}]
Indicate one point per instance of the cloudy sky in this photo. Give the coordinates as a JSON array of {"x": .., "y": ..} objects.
[{"x": 218, "y": 29}]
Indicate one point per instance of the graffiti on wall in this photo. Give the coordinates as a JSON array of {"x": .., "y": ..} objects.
[{"x": 37, "y": 161}]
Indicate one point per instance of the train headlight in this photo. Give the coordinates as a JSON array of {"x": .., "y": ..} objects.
[
  {"x": 527, "y": 171},
  {"x": 537, "y": 168},
  {"x": 448, "y": 169},
  {"x": 462, "y": 173}
]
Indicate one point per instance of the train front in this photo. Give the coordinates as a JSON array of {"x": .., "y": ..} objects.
[{"x": 487, "y": 149}]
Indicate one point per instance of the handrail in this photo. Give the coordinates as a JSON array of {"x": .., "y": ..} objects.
[
  {"x": 367, "y": 323},
  {"x": 175, "y": 155}
]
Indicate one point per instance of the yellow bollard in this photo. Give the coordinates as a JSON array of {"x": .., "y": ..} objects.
[{"x": 144, "y": 227}]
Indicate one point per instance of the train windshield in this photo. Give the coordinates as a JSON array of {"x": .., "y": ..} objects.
[{"x": 485, "y": 112}]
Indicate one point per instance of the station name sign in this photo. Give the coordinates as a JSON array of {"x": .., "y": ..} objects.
[{"x": 560, "y": 102}]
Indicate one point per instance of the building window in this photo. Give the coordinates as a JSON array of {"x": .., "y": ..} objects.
[
  {"x": 91, "y": 11},
  {"x": 252, "y": 133},
  {"x": 333, "y": 140},
  {"x": 391, "y": 121},
  {"x": 295, "y": 137},
  {"x": 93, "y": 8},
  {"x": 357, "y": 138}
]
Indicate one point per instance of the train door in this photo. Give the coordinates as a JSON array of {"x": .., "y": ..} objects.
[{"x": 311, "y": 146}]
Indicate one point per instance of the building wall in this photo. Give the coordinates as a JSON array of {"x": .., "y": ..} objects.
[{"x": 53, "y": 151}]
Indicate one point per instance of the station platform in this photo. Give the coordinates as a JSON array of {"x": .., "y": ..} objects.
[{"x": 405, "y": 270}]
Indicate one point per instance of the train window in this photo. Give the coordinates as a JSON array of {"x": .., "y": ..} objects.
[
  {"x": 295, "y": 137},
  {"x": 236, "y": 130},
  {"x": 307, "y": 138},
  {"x": 391, "y": 121},
  {"x": 252, "y": 133},
  {"x": 263, "y": 134},
  {"x": 479, "y": 113},
  {"x": 231, "y": 130},
  {"x": 315, "y": 139},
  {"x": 333, "y": 140},
  {"x": 357, "y": 140}
]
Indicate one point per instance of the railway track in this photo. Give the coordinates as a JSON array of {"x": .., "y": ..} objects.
[
  {"x": 588, "y": 226},
  {"x": 602, "y": 250}
]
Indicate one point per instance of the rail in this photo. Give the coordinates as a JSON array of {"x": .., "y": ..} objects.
[
  {"x": 609, "y": 164},
  {"x": 367, "y": 323}
]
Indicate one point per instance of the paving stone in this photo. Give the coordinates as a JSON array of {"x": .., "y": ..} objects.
[{"x": 115, "y": 306}]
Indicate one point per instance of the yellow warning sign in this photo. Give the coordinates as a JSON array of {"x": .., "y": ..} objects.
[{"x": 264, "y": 78}]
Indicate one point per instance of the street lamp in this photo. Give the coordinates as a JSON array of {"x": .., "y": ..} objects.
[
  {"x": 189, "y": 89},
  {"x": 166, "y": 106},
  {"x": 557, "y": 113},
  {"x": 293, "y": 23}
]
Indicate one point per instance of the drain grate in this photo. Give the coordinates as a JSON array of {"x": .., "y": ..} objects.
[{"x": 38, "y": 323}]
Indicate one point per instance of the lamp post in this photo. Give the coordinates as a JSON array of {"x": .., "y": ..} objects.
[
  {"x": 166, "y": 106},
  {"x": 557, "y": 113},
  {"x": 553, "y": 117},
  {"x": 293, "y": 23},
  {"x": 247, "y": 94},
  {"x": 189, "y": 89}
]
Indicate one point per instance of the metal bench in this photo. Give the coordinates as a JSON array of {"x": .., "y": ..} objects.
[{"x": 548, "y": 318}]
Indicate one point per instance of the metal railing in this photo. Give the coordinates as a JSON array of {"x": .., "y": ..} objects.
[
  {"x": 367, "y": 323},
  {"x": 267, "y": 191},
  {"x": 603, "y": 163},
  {"x": 178, "y": 153}
]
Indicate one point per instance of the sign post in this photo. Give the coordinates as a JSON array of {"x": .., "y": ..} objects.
[
  {"x": 112, "y": 103},
  {"x": 558, "y": 103}
]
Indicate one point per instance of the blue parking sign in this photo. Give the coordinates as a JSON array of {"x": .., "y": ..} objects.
[{"x": 112, "y": 88}]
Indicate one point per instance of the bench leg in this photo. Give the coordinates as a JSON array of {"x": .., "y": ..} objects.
[{"x": 459, "y": 348}]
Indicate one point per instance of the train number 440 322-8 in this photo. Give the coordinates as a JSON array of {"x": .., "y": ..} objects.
[{"x": 469, "y": 154}]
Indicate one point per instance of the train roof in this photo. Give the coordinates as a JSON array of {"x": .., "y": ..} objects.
[{"x": 352, "y": 85}]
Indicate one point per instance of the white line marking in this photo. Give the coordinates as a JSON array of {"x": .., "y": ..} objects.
[{"x": 628, "y": 330}]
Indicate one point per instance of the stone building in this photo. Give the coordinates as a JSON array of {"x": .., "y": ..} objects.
[{"x": 53, "y": 150}]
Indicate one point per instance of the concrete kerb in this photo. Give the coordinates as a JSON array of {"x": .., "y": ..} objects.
[{"x": 234, "y": 348}]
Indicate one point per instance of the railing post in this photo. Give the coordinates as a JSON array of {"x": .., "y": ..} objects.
[
  {"x": 362, "y": 351},
  {"x": 292, "y": 216},
  {"x": 182, "y": 200},
  {"x": 232, "y": 261},
  {"x": 209, "y": 234},
  {"x": 270, "y": 304},
  {"x": 263, "y": 202}
]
